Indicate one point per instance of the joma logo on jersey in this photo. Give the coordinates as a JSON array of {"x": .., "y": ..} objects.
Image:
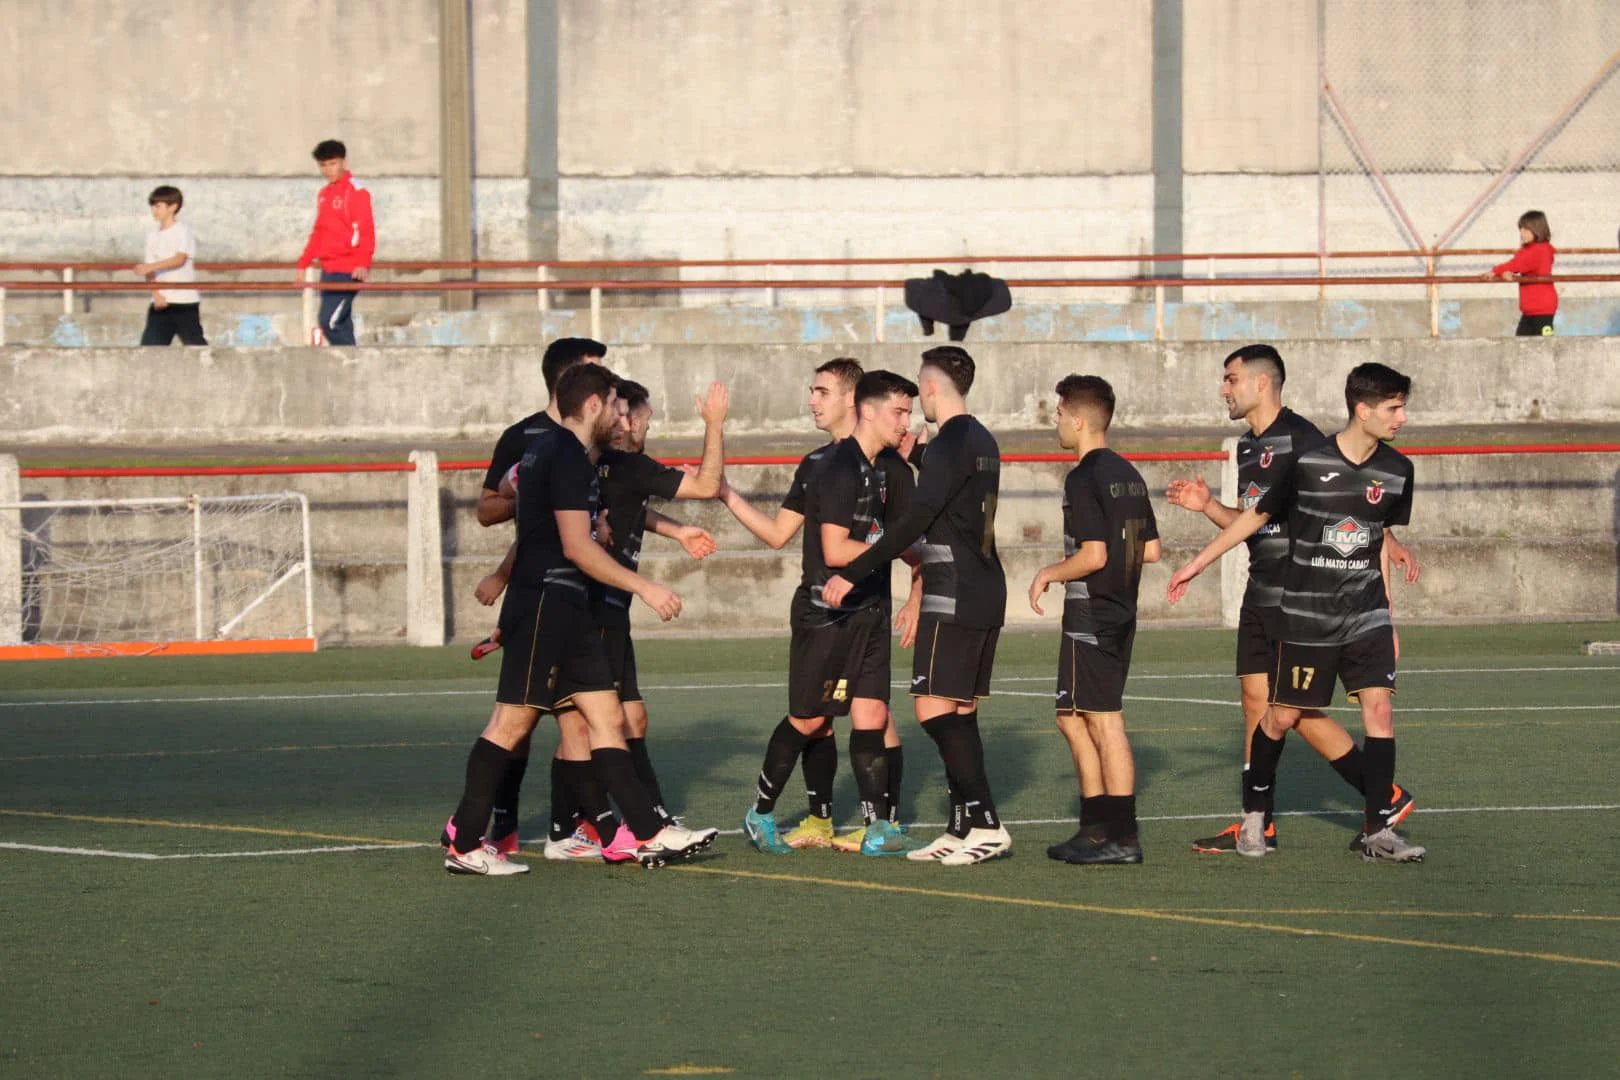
[
  {"x": 1346, "y": 536},
  {"x": 1252, "y": 495}
]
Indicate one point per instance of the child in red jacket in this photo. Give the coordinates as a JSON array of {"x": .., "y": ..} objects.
[
  {"x": 1538, "y": 301},
  {"x": 342, "y": 240}
]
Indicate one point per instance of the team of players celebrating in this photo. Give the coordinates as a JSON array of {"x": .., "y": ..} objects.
[{"x": 1315, "y": 514}]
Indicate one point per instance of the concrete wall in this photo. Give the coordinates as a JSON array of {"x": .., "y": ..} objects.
[
  {"x": 208, "y": 396},
  {"x": 771, "y": 128},
  {"x": 1499, "y": 538}
]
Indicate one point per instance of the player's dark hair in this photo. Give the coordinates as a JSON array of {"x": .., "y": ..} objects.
[
  {"x": 1089, "y": 392},
  {"x": 954, "y": 362},
  {"x": 879, "y": 385},
  {"x": 633, "y": 394},
  {"x": 845, "y": 369},
  {"x": 1263, "y": 357},
  {"x": 1536, "y": 222},
  {"x": 167, "y": 193},
  {"x": 329, "y": 150},
  {"x": 563, "y": 354},
  {"x": 579, "y": 384},
  {"x": 1372, "y": 383}
]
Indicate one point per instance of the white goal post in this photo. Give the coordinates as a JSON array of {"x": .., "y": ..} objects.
[{"x": 187, "y": 574}]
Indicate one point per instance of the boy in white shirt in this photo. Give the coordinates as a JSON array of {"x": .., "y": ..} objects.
[{"x": 171, "y": 252}]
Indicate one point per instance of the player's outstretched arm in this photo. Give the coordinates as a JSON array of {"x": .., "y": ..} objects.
[
  {"x": 698, "y": 542},
  {"x": 494, "y": 508},
  {"x": 490, "y": 587},
  {"x": 579, "y": 548},
  {"x": 912, "y": 524},
  {"x": 775, "y": 531},
  {"x": 705, "y": 483},
  {"x": 1091, "y": 557},
  {"x": 1244, "y": 526},
  {"x": 1194, "y": 495}
]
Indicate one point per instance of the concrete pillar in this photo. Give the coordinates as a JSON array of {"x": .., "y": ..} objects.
[
  {"x": 1235, "y": 563},
  {"x": 455, "y": 147},
  {"x": 424, "y": 554},
  {"x": 1167, "y": 121},
  {"x": 11, "y": 592},
  {"x": 543, "y": 27}
]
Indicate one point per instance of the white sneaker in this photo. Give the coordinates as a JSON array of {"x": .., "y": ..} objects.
[
  {"x": 573, "y": 848},
  {"x": 1251, "y": 838},
  {"x": 981, "y": 845},
  {"x": 673, "y": 843},
  {"x": 1390, "y": 845},
  {"x": 942, "y": 845},
  {"x": 484, "y": 861}
]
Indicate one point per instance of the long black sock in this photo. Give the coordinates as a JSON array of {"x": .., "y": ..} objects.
[
  {"x": 1093, "y": 813},
  {"x": 1271, "y": 796},
  {"x": 958, "y": 826},
  {"x": 504, "y": 820},
  {"x": 486, "y": 764},
  {"x": 897, "y": 768},
  {"x": 1352, "y": 767},
  {"x": 870, "y": 763},
  {"x": 590, "y": 799},
  {"x": 1121, "y": 818},
  {"x": 1260, "y": 781},
  {"x": 618, "y": 774},
  {"x": 787, "y": 743},
  {"x": 959, "y": 748},
  {"x": 563, "y": 801},
  {"x": 648, "y": 778},
  {"x": 820, "y": 763},
  {"x": 1380, "y": 773}
]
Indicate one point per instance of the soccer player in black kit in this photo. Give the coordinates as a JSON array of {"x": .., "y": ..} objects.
[
  {"x": 964, "y": 602},
  {"x": 1108, "y": 534},
  {"x": 1252, "y": 379},
  {"x": 1339, "y": 498},
  {"x": 553, "y": 655}
]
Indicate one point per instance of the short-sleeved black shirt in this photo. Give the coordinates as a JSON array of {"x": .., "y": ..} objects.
[
  {"x": 628, "y": 481},
  {"x": 795, "y": 498},
  {"x": 1333, "y": 585},
  {"x": 1261, "y": 460},
  {"x": 1105, "y": 499},
  {"x": 555, "y": 474},
  {"x": 960, "y": 478},
  {"x": 864, "y": 497},
  {"x": 513, "y": 442}
]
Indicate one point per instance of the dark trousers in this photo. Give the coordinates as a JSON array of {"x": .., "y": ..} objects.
[
  {"x": 337, "y": 311},
  {"x": 164, "y": 324},
  {"x": 1535, "y": 326}
]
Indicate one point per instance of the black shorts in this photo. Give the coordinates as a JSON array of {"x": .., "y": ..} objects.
[
  {"x": 550, "y": 649},
  {"x": 1304, "y": 673},
  {"x": 832, "y": 660},
  {"x": 1258, "y": 631},
  {"x": 951, "y": 661},
  {"x": 1091, "y": 677},
  {"x": 621, "y": 651}
]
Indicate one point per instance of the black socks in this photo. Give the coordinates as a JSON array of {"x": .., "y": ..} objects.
[
  {"x": 820, "y": 758},
  {"x": 617, "y": 772},
  {"x": 1260, "y": 781},
  {"x": 486, "y": 766},
  {"x": 869, "y": 760},
  {"x": 648, "y": 778},
  {"x": 786, "y": 744},
  {"x": 957, "y": 737}
]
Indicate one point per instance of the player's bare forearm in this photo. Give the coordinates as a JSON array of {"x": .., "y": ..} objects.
[
  {"x": 775, "y": 532},
  {"x": 1241, "y": 528},
  {"x": 838, "y": 548},
  {"x": 494, "y": 508},
  {"x": 1092, "y": 556},
  {"x": 661, "y": 524},
  {"x": 712, "y": 469},
  {"x": 1221, "y": 514},
  {"x": 593, "y": 560}
]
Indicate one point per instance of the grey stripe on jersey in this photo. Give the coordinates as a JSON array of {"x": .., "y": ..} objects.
[{"x": 938, "y": 605}]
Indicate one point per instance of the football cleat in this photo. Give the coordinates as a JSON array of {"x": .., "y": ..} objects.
[
  {"x": 671, "y": 844},
  {"x": 622, "y": 848},
  {"x": 482, "y": 861},
  {"x": 1108, "y": 853},
  {"x": 485, "y": 647},
  {"x": 761, "y": 832},
  {"x": 1401, "y": 805},
  {"x": 942, "y": 845},
  {"x": 884, "y": 838},
  {"x": 1390, "y": 846},
  {"x": 850, "y": 841},
  {"x": 980, "y": 845},
  {"x": 1251, "y": 837},
  {"x": 1226, "y": 839},
  {"x": 574, "y": 848},
  {"x": 812, "y": 832},
  {"x": 1089, "y": 836}
]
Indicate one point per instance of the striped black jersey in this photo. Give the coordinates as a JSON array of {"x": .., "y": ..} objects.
[
  {"x": 1105, "y": 499},
  {"x": 554, "y": 474},
  {"x": 864, "y": 497},
  {"x": 794, "y": 499},
  {"x": 1261, "y": 459},
  {"x": 513, "y": 442},
  {"x": 960, "y": 481},
  {"x": 628, "y": 482},
  {"x": 1333, "y": 585}
]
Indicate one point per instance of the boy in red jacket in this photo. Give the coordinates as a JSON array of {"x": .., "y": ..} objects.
[
  {"x": 1538, "y": 301},
  {"x": 342, "y": 240}
]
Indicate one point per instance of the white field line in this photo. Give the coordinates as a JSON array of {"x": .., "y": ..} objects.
[
  {"x": 670, "y": 687},
  {"x": 149, "y": 857}
]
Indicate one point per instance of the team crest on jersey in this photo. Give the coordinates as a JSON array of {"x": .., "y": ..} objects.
[
  {"x": 1265, "y": 456},
  {"x": 1346, "y": 536},
  {"x": 1252, "y": 495},
  {"x": 1375, "y": 492}
]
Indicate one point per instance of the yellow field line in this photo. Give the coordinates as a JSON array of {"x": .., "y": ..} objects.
[
  {"x": 118, "y": 754},
  {"x": 1395, "y": 913},
  {"x": 1157, "y": 916},
  {"x": 202, "y": 826}
]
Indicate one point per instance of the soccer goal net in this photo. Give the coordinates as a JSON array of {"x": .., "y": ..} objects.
[{"x": 186, "y": 574}]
